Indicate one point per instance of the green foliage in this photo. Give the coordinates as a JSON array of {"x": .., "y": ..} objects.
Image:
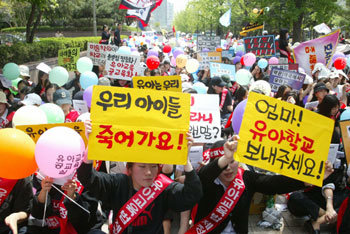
[
  {"x": 61, "y": 28},
  {"x": 47, "y": 48}
]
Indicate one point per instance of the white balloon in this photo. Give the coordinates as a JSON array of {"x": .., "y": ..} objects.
[{"x": 29, "y": 115}]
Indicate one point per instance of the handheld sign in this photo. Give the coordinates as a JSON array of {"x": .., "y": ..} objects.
[
  {"x": 261, "y": 46},
  {"x": 135, "y": 125},
  {"x": 280, "y": 77},
  {"x": 284, "y": 138},
  {"x": 121, "y": 66},
  {"x": 219, "y": 69},
  {"x": 208, "y": 42},
  {"x": 80, "y": 106},
  {"x": 35, "y": 131},
  {"x": 164, "y": 83},
  {"x": 68, "y": 58},
  {"x": 98, "y": 52},
  {"x": 286, "y": 66},
  {"x": 205, "y": 118},
  {"x": 345, "y": 135},
  {"x": 204, "y": 58}
]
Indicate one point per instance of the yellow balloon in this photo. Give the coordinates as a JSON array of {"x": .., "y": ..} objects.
[{"x": 181, "y": 61}]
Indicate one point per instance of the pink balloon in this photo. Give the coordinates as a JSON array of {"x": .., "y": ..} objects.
[
  {"x": 87, "y": 95},
  {"x": 273, "y": 61},
  {"x": 59, "y": 152},
  {"x": 249, "y": 59},
  {"x": 173, "y": 61}
]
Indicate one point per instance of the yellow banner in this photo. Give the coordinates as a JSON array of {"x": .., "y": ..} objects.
[
  {"x": 133, "y": 125},
  {"x": 284, "y": 138},
  {"x": 68, "y": 58},
  {"x": 35, "y": 131},
  {"x": 345, "y": 135},
  {"x": 164, "y": 83}
]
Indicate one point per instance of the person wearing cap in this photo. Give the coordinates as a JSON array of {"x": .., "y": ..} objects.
[
  {"x": 6, "y": 115},
  {"x": 63, "y": 99},
  {"x": 43, "y": 82},
  {"x": 319, "y": 92},
  {"x": 24, "y": 72},
  {"x": 32, "y": 99},
  {"x": 217, "y": 86},
  {"x": 221, "y": 175}
]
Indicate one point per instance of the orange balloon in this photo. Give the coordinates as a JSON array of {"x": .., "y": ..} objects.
[
  {"x": 219, "y": 49},
  {"x": 17, "y": 158}
]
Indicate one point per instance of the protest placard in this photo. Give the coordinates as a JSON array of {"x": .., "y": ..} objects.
[
  {"x": 128, "y": 123},
  {"x": 164, "y": 83},
  {"x": 290, "y": 66},
  {"x": 35, "y": 131},
  {"x": 319, "y": 50},
  {"x": 311, "y": 105},
  {"x": 228, "y": 54},
  {"x": 219, "y": 69},
  {"x": 121, "y": 66},
  {"x": 261, "y": 46},
  {"x": 208, "y": 42},
  {"x": 205, "y": 118},
  {"x": 345, "y": 135},
  {"x": 204, "y": 58},
  {"x": 80, "y": 106},
  {"x": 332, "y": 153},
  {"x": 280, "y": 77},
  {"x": 284, "y": 138},
  {"x": 195, "y": 156},
  {"x": 68, "y": 58},
  {"x": 98, "y": 52}
]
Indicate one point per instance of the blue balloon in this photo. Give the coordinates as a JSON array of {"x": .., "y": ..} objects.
[
  {"x": 88, "y": 79},
  {"x": 124, "y": 50},
  {"x": 345, "y": 115},
  {"x": 348, "y": 61},
  {"x": 263, "y": 63}
]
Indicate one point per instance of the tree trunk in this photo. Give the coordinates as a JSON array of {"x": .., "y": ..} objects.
[
  {"x": 35, "y": 26},
  {"x": 30, "y": 22},
  {"x": 297, "y": 25}
]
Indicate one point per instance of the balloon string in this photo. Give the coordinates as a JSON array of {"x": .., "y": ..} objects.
[
  {"x": 66, "y": 195},
  {"x": 43, "y": 224}
]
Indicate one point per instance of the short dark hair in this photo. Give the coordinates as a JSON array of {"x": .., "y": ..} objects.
[{"x": 328, "y": 102}]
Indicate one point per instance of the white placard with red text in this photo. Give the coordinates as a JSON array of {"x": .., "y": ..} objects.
[
  {"x": 121, "y": 66},
  {"x": 98, "y": 52}
]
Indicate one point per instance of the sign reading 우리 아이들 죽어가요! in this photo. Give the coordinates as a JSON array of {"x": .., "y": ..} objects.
[
  {"x": 164, "y": 83},
  {"x": 135, "y": 125},
  {"x": 204, "y": 58},
  {"x": 205, "y": 118},
  {"x": 68, "y": 58},
  {"x": 35, "y": 131},
  {"x": 319, "y": 50},
  {"x": 121, "y": 66},
  {"x": 280, "y": 77},
  {"x": 98, "y": 52},
  {"x": 284, "y": 138}
]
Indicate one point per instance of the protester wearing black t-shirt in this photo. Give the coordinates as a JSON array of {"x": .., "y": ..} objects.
[{"x": 216, "y": 86}]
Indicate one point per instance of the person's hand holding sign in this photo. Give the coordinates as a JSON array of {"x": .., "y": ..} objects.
[{"x": 188, "y": 167}]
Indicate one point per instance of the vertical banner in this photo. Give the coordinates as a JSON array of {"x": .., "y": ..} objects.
[
  {"x": 205, "y": 118},
  {"x": 204, "y": 58},
  {"x": 261, "y": 46},
  {"x": 280, "y": 77},
  {"x": 219, "y": 69},
  {"x": 319, "y": 50},
  {"x": 135, "y": 125},
  {"x": 284, "y": 138},
  {"x": 345, "y": 134},
  {"x": 98, "y": 52},
  {"x": 68, "y": 58},
  {"x": 164, "y": 83},
  {"x": 121, "y": 66}
]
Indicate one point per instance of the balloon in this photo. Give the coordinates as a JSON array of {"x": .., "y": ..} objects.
[
  {"x": 84, "y": 117},
  {"x": 84, "y": 64},
  {"x": 59, "y": 152},
  {"x": 11, "y": 71},
  {"x": 177, "y": 52},
  {"x": 205, "y": 50},
  {"x": 242, "y": 61},
  {"x": 148, "y": 41},
  {"x": 29, "y": 115},
  {"x": 87, "y": 95},
  {"x": 54, "y": 113},
  {"x": 173, "y": 61},
  {"x": 152, "y": 53},
  {"x": 167, "y": 49},
  {"x": 345, "y": 115},
  {"x": 263, "y": 63},
  {"x": 273, "y": 61},
  {"x": 133, "y": 49},
  {"x": 348, "y": 61},
  {"x": 152, "y": 62},
  {"x": 337, "y": 55},
  {"x": 240, "y": 48},
  {"x": 124, "y": 50},
  {"x": 192, "y": 65},
  {"x": 340, "y": 63},
  {"x": 238, "y": 116},
  {"x": 262, "y": 86},
  {"x": 249, "y": 59},
  {"x": 87, "y": 79},
  {"x": 200, "y": 88},
  {"x": 243, "y": 77},
  {"x": 155, "y": 37},
  {"x": 219, "y": 49},
  {"x": 181, "y": 61},
  {"x": 239, "y": 53},
  {"x": 16, "y": 154},
  {"x": 58, "y": 75},
  {"x": 236, "y": 59},
  {"x": 136, "y": 53}
]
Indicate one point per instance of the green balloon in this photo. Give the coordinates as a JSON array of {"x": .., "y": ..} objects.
[
  {"x": 53, "y": 113},
  {"x": 11, "y": 71},
  {"x": 15, "y": 82},
  {"x": 58, "y": 75},
  {"x": 84, "y": 64}
]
